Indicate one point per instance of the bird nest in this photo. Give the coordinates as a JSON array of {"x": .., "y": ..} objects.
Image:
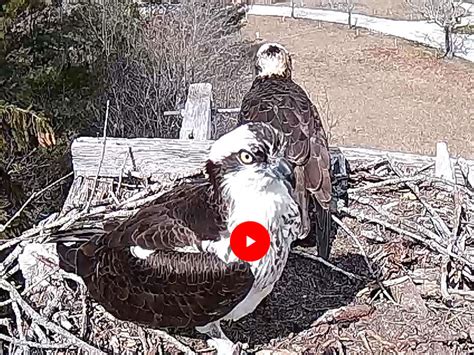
[{"x": 399, "y": 279}]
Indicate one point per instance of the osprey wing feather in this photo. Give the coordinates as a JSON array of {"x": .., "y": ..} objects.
[
  {"x": 168, "y": 288},
  {"x": 276, "y": 99}
]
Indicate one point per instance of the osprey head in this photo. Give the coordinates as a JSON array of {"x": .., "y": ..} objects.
[
  {"x": 273, "y": 60},
  {"x": 251, "y": 155}
]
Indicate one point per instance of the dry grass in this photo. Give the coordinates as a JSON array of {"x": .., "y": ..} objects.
[
  {"x": 385, "y": 92},
  {"x": 152, "y": 60}
]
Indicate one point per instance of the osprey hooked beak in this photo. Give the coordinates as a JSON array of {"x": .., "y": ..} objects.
[
  {"x": 251, "y": 154},
  {"x": 283, "y": 170}
]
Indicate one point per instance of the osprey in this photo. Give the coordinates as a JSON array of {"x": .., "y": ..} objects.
[
  {"x": 171, "y": 265},
  {"x": 276, "y": 99}
]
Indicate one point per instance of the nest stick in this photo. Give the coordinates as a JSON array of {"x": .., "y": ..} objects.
[
  {"x": 365, "y": 342},
  {"x": 32, "y": 344},
  {"x": 415, "y": 179},
  {"x": 418, "y": 228},
  {"x": 37, "y": 318},
  {"x": 10, "y": 259},
  {"x": 458, "y": 210},
  {"x": 360, "y": 216},
  {"x": 19, "y": 326},
  {"x": 39, "y": 333},
  {"x": 3, "y": 227},
  {"x": 305, "y": 254},
  {"x": 84, "y": 315},
  {"x": 172, "y": 340},
  {"x": 444, "y": 279},
  {"x": 386, "y": 283},
  {"x": 40, "y": 280},
  {"x": 444, "y": 275},
  {"x": 106, "y": 212},
  {"x": 388, "y": 182},
  {"x": 364, "y": 254},
  {"x": 436, "y": 219}
]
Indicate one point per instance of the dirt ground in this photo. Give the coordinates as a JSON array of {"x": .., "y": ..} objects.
[{"x": 383, "y": 92}]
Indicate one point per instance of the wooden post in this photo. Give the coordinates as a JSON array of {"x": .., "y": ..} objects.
[
  {"x": 443, "y": 165},
  {"x": 197, "y": 113},
  {"x": 145, "y": 157}
]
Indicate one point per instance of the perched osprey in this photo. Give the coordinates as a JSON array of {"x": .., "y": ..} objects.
[
  {"x": 171, "y": 265},
  {"x": 276, "y": 99}
]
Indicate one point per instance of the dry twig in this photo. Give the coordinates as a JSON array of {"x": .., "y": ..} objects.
[
  {"x": 179, "y": 345},
  {"x": 363, "y": 217},
  {"x": 388, "y": 182},
  {"x": 19, "y": 326},
  {"x": 31, "y": 344},
  {"x": 364, "y": 254},
  {"x": 37, "y": 318},
  {"x": 436, "y": 219},
  {"x": 31, "y": 198},
  {"x": 102, "y": 154},
  {"x": 305, "y": 254}
]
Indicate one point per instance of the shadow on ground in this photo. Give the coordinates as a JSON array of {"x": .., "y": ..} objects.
[{"x": 306, "y": 290}]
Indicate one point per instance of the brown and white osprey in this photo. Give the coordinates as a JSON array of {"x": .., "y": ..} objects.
[
  {"x": 171, "y": 265},
  {"x": 276, "y": 99}
]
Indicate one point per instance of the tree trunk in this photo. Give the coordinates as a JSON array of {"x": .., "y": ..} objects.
[
  {"x": 448, "y": 42},
  {"x": 349, "y": 19}
]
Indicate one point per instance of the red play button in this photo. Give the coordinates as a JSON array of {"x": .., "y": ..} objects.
[{"x": 250, "y": 241}]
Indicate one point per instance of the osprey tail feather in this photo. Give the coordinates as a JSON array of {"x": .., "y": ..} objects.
[
  {"x": 75, "y": 235},
  {"x": 68, "y": 245}
]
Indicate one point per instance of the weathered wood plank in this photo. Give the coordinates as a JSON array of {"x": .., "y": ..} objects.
[
  {"x": 197, "y": 113},
  {"x": 416, "y": 160},
  {"x": 74, "y": 194},
  {"x": 143, "y": 157},
  {"x": 154, "y": 156}
]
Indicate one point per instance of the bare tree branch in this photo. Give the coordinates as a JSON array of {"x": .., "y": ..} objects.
[{"x": 445, "y": 13}]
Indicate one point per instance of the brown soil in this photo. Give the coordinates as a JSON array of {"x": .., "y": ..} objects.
[{"x": 383, "y": 92}]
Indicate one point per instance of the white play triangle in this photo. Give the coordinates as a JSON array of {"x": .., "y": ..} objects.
[{"x": 249, "y": 241}]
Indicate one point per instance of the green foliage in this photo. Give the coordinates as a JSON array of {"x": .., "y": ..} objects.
[
  {"x": 46, "y": 66},
  {"x": 48, "y": 90}
]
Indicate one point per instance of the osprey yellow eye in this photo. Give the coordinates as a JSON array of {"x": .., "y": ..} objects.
[{"x": 245, "y": 157}]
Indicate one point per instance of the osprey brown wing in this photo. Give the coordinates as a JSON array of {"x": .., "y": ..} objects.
[
  {"x": 285, "y": 105},
  {"x": 170, "y": 288}
]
